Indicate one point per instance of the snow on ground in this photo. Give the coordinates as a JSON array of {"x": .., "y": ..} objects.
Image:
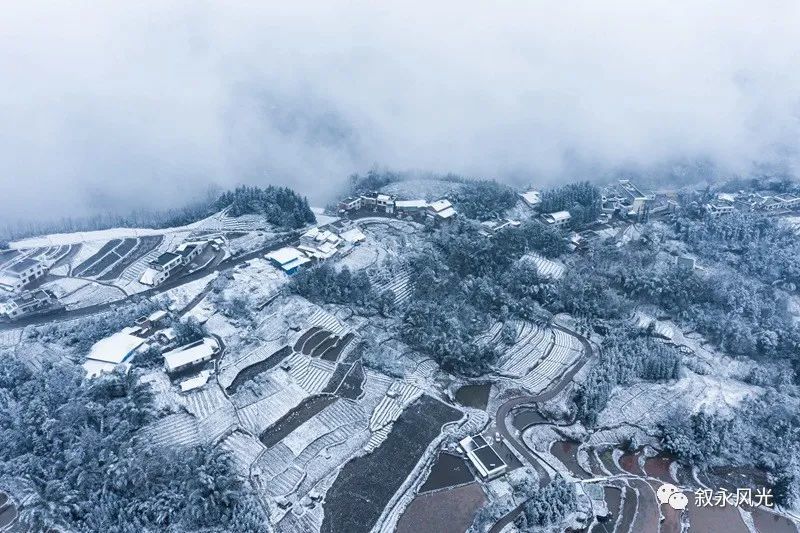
[
  {"x": 92, "y": 293},
  {"x": 322, "y": 218},
  {"x": 422, "y": 189},
  {"x": 180, "y": 296},
  {"x": 547, "y": 268},
  {"x": 62, "y": 287}
]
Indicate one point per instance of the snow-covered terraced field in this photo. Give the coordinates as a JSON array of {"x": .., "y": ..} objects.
[
  {"x": 547, "y": 268},
  {"x": 258, "y": 416},
  {"x": 391, "y": 406},
  {"x": 563, "y": 353},
  {"x": 245, "y": 448},
  {"x": 399, "y": 284},
  {"x": 325, "y": 320},
  {"x": 230, "y": 367},
  {"x": 529, "y": 349},
  {"x": 92, "y": 294},
  {"x": 310, "y": 373},
  {"x": 174, "y": 430}
]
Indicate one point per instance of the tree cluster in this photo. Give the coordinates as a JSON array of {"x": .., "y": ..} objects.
[
  {"x": 281, "y": 206},
  {"x": 78, "y": 446},
  {"x": 548, "y": 506},
  {"x": 627, "y": 355},
  {"x": 484, "y": 199},
  {"x": 323, "y": 283},
  {"x": 583, "y": 200}
]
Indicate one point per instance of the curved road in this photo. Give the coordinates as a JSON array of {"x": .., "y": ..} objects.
[{"x": 533, "y": 458}]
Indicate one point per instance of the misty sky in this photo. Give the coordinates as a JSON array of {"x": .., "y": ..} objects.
[{"x": 105, "y": 104}]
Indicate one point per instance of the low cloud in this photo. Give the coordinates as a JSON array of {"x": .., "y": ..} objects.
[{"x": 149, "y": 104}]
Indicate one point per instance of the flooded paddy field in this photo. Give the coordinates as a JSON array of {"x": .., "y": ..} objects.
[
  {"x": 308, "y": 408},
  {"x": 332, "y": 353},
  {"x": 566, "y": 451},
  {"x": 767, "y": 522},
  {"x": 475, "y": 396},
  {"x": 444, "y": 511},
  {"x": 250, "y": 372},
  {"x": 352, "y": 386},
  {"x": 8, "y": 511},
  {"x": 448, "y": 471},
  {"x": 613, "y": 497},
  {"x": 525, "y": 417},
  {"x": 365, "y": 485}
]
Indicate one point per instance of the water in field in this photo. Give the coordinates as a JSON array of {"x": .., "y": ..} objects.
[
  {"x": 476, "y": 396},
  {"x": 448, "y": 471}
]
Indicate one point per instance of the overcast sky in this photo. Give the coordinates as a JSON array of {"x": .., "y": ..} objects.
[{"x": 137, "y": 104}]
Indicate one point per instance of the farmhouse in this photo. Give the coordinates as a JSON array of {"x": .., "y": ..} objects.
[
  {"x": 378, "y": 202},
  {"x": 483, "y": 457},
  {"x": 14, "y": 277},
  {"x": 790, "y": 201},
  {"x": 410, "y": 207},
  {"x": 190, "y": 250},
  {"x": 161, "y": 268},
  {"x": 28, "y": 303},
  {"x": 532, "y": 198},
  {"x": 559, "y": 218},
  {"x": 190, "y": 355},
  {"x": 489, "y": 228},
  {"x": 719, "y": 208},
  {"x": 350, "y": 204},
  {"x": 440, "y": 210},
  {"x": 115, "y": 350},
  {"x": 353, "y": 236},
  {"x": 288, "y": 259},
  {"x": 632, "y": 198}
]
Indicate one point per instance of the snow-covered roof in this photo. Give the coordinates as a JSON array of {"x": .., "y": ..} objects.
[
  {"x": 531, "y": 197},
  {"x": 184, "y": 355},
  {"x": 148, "y": 277},
  {"x": 158, "y": 315},
  {"x": 383, "y": 198},
  {"x": 7, "y": 278},
  {"x": 411, "y": 204},
  {"x": 196, "y": 382},
  {"x": 353, "y": 235},
  {"x": 446, "y": 213},
  {"x": 116, "y": 348},
  {"x": 294, "y": 263},
  {"x": 558, "y": 216},
  {"x": 285, "y": 255},
  {"x": 440, "y": 205},
  {"x": 311, "y": 234}
]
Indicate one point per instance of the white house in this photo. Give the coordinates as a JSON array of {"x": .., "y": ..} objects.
[
  {"x": 15, "y": 276},
  {"x": 28, "y": 302},
  {"x": 115, "y": 350},
  {"x": 532, "y": 198},
  {"x": 190, "y": 355},
  {"x": 161, "y": 268},
  {"x": 483, "y": 457},
  {"x": 354, "y": 236},
  {"x": 559, "y": 218},
  {"x": 190, "y": 250},
  {"x": 441, "y": 210},
  {"x": 288, "y": 259}
]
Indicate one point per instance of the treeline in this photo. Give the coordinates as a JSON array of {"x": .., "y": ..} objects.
[
  {"x": 547, "y": 506},
  {"x": 762, "y": 433},
  {"x": 324, "y": 284},
  {"x": 281, "y": 206},
  {"x": 626, "y": 355},
  {"x": 583, "y": 200},
  {"x": 462, "y": 281},
  {"x": 78, "y": 446}
]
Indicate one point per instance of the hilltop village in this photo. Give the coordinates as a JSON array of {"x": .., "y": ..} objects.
[{"x": 435, "y": 354}]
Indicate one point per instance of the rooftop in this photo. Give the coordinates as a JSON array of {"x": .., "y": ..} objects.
[
  {"x": 411, "y": 204},
  {"x": 559, "y": 216},
  {"x": 285, "y": 255},
  {"x": 164, "y": 259},
  {"x": 116, "y": 348},
  {"x": 440, "y": 205},
  {"x": 190, "y": 353}
]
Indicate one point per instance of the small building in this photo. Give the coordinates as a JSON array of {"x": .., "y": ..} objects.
[
  {"x": 189, "y": 250},
  {"x": 29, "y": 303},
  {"x": 195, "y": 382},
  {"x": 353, "y": 236},
  {"x": 483, "y": 457},
  {"x": 15, "y": 276},
  {"x": 490, "y": 228},
  {"x": 190, "y": 355},
  {"x": 410, "y": 207},
  {"x": 161, "y": 268},
  {"x": 719, "y": 208},
  {"x": 686, "y": 263},
  {"x": 288, "y": 259},
  {"x": 115, "y": 350},
  {"x": 378, "y": 202},
  {"x": 440, "y": 211},
  {"x": 633, "y": 199},
  {"x": 559, "y": 218},
  {"x": 532, "y": 198},
  {"x": 350, "y": 204}
]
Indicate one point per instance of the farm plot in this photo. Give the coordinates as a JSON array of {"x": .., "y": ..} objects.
[
  {"x": 142, "y": 247},
  {"x": 92, "y": 294},
  {"x": 563, "y": 353},
  {"x": 294, "y": 419},
  {"x": 530, "y": 348},
  {"x": 546, "y": 268},
  {"x": 253, "y": 370},
  {"x": 366, "y": 484},
  {"x": 92, "y": 262},
  {"x": 399, "y": 284}
]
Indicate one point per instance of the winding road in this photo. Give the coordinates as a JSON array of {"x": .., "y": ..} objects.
[{"x": 501, "y": 418}]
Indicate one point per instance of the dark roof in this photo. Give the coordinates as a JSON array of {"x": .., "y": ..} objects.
[
  {"x": 489, "y": 457},
  {"x": 23, "y": 265},
  {"x": 479, "y": 440},
  {"x": 164, "y": 258},
  {"x": 187, "y": 249}
]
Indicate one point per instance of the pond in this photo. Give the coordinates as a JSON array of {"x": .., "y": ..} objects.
[
  {"x": 527, "y": 416},
  {"x": 448, "y": 471},
  {"x": 566, "y": 451},
  {"x": 475, "y": 396}
]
